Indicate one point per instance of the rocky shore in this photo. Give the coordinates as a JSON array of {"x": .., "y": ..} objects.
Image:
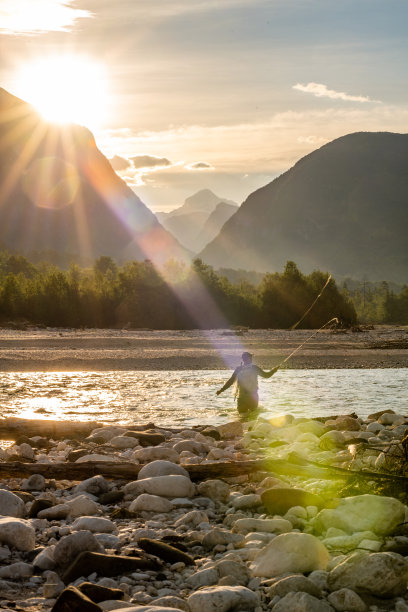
[{"x": 306, "y": 538}]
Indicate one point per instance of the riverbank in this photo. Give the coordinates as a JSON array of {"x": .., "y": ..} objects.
[
  {"x": 185, "y": 519},
  {"x": 107, "y": 350}
]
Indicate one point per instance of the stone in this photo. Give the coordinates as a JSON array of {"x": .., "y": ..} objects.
[
  {"x": 291, "y": 552},
  {"x": 301, "y": 602},
  {"x": 280, "y": 500},
  {"x": 11, "y": 504},
  {"x": 161, "y": 467},
  {"x": 67, "y": 549},
  {"x": 152, "y": 453},
  {"x": 35, "y": 482},
  {"x": 220, "y": 536},
  {"x": 96, "y": 458},
  {"x": 173, "y": 485},
  {"x": 98, "y": 593},
  {"x": 37, "y": 506},
  {"x": 217, "y": 490},
  {"x": 332, "y": 440},
  {"x": 345, "y": 422},
  {"x": 111, "y": 497},
  {"x": 53, "y": 585},
  {"x": 94, "y": 524},
  {"x": 164, "y": 551},
  {"x": 72, "y": 600},
  {"x": 17, "y": 532},
  {"x": 151, "y": 503},
  {"x": 192, "y": 446},
  {"x": 87, "y": 562},
  {"x": 108, "y": 540},
  {"x": 382, "y": 574},
  {"x": 373, "y": 513},
  {"x": 244, "y": 502},
  {"x": 54, "y": 513},
  {"x": 45, "y": 559},
  {"x": 96, "y": 485},
  {"x": 319, "y": 578},
  {"x": 171, "y": 601},
  {"x": 16, "y": 571},
  {"x": 123, "y": 442},
  {"x": 227, "y": 431},
  {"x": 295, "y": 584},
  {"x": 233, "y": 569},
  {"x": 82, "y": 506},
  {"x": 147, "y": 438},
  {"x": 106, "y": 433},
  {"x": 346, "y": 600},
  {"x": 193, "y": 518},
  {"x": 222, "y": 599},
  {"x": 205, "y": 577},
  {"x": 246, "y": 525}
]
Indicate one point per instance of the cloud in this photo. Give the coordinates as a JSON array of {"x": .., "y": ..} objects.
[
  {"x": 321, "y": 91},
  {"x": 150, "y": 161},
  {"x": 199, "y": 166},
  {"x": 26, "y": 17},
  {"x": 119, "y": 163}
]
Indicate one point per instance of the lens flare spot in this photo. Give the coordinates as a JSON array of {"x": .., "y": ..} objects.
[{"x": 50, "y": 182}]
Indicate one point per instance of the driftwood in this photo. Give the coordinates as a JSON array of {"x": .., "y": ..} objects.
[{"x": 12, "y": 429}]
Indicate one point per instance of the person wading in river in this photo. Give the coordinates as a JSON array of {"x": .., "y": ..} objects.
[{"x": 246, "y": 377}]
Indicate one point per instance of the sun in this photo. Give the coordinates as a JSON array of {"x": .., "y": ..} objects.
[{"x": 66, "y": 89}]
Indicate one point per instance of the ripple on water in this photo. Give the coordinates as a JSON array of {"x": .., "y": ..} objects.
[{"x": 188, "y": 397}]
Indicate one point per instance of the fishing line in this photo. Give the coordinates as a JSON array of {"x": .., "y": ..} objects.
[
  {"x": 310, "y": 308},
  {"x": 333, "y": 320}
]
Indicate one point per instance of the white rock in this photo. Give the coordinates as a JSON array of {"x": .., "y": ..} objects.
[
  {"x": 301, "y": 602},
  {"x": 291, "y": 552},
  {"x": 217, "y": 490},
  {"x": 71, "y": 545},
  {"x": 197, "y": 448},
  {"x": 381, "y": 574},
  {"x": 26, "y": 451},
  {"x": 16, "y": 571},
  {"x": 391, "y": 419},
  {"x": 346, "y": 600},
  {"x": 11, "y": 504},
  {"x": 194, "y": 518},
  {"x": 220, "y": 536},
  {"x": 82, "y": 506},
  {"x": 233, "y": 569},
  {"x": 95, "y": 458},
  {"x": 173, "y": 485},
  {"x": 160, "y": 467},
  {"x": 362, "y": 513},
  {"x": 222, "y": 599},
  {"x": 205, "y": 577},
  {"x": 94, "y": 524},
  {"x": 244, "y": 502},
  {"x": 124, "y": 442},
  {"x": 36, "y": 482},
  {"x": 45, "y": 559},
  {"x": 60, "y": 511},
  {"x": 18, "y": 533},
  {"x": 108, "y": 540},
  {"x": 107, "y": 433},
  {"x": 151, "y": 503},
  {"x": 277, "y": 525},
  {"x": 151, "y": 453},
  {"x": 94, "y": 485}
]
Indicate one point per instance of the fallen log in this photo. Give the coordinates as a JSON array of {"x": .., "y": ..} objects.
[{"x": 14, "y": 428}]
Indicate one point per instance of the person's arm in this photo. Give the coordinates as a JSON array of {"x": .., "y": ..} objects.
[
  {"x": 229, "y": 382},
  {"x": 266, "y": 374}
]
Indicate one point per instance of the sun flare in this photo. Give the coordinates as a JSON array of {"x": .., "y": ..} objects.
[{"x": 66, "y": 89}]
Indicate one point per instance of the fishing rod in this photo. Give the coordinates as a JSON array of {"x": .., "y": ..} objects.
[
  {"x": 333, "y": 320},
  {"x": 310, "y": 307}
]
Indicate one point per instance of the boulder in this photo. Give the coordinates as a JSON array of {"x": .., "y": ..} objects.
[
  {"x": 16, "y": 571},
  {"x": 382, "y": 574},
  {"x": 193, "y": 518},
  {"x": 152, "y": 453},
  {"x": 123, "y": 442},
  {"x": 96, "y": 485},
  {"x": 346, "y": 600},
  {"x": 246, "y": 525},
  {"x": 301, "y": 602},
  {"x": 70, "y": 546},
  {"x": 45, "y": 559},
  {"x": 35, "y": 482},
  {"x": 161, "y": 467},
  {"x": 82, "y": 506},
  {"x": 373, "y": 513},
  {"x": 205, "y": 577},
  {"x": 105, "y": 433},
  {"x": 279, "y": 500},
  {"x": 17, "y": 532},
  {"x": 332, "y": 440},
  {"x": 222, "y": 599},
  {"x": 94, "y": 524},
  {"x": 295, "y": 584},
  {"x": 173, "y": 485},
  {"x": 291, "y": 552},
  {"x": 234, "y": 429},
  {"x": 151, "y": 503},
  {"x": 220, "y": 536},
  {"x": 191, "y": 446},
  {"x": 72, "y": 600},
  {"x": 11, "y": 504},
  {"x": 54, "y": 513},
  {"x": 217, "y": 490}
]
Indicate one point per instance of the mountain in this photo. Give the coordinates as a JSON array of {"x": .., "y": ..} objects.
[
  {"x": 58, "y": 192},
  {"x": 342, "y": 208},
  {"x": 191, "y": 224}
]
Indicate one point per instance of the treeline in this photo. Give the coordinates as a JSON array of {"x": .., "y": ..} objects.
[
  {"x": 378, "y": 302},
  {"x": 137, "y": 295}
]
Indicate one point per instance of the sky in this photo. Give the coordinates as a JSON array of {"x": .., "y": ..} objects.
[{"x": 183, "y": 95}]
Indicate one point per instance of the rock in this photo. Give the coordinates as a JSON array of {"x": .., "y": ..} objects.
[
  {"x": 171, "y": 601},
  {"x": 230, "y": 430},
  {"x": 244, "y": 502},
  {"x": 67, "y": 549},
  {"x": 173, "y": 485},
  {"x": 53, "y": 585},
  {"x": 164, "y": 551},
  {"x": 222, "y": 599},
  {"x": 45, "y": 559},
  {"x": 111, "y": 497},
  {"x": 96, "y": 485},
  {"x": 196, "y": 448},
  {"x": 108, "y": 540},
  {"x": 246, "y": 525},
  {"x": 82, "y": 506},
  {"x": 382, "y": 574},
  {"x": 35, "y": 482},
  {"x": 362, "y": 513},
  {"x": 18, "y": 533},
  {"x": 161, "y": 467},
  {"x": 217, "y": 490},
  {"x": 332, "y": 440},
  {"x": 16, "y": 571},
  {"x": 54, "y": 513},
  {"x": 345, "y": 422},
  {"x": 220, "y": 536},
  {"x": 346, "y": 600},
  {"x": 152, "y": 453},
  {"x": 205, "y": 577},
  {"x": 37, "y": 506},
  {"x": 151, "y": 503},
  {"x": 146, "y": 438},
  {"x": 105, "y": 565},
  {"x": 291, "y": 552},
  {"x": 319, "y": 578},
  {"x": 280, "y": 500},
  {"x": 233, "y": 569},
  {"x": 93, "y": 524},
  {"x": 11, "y": 504},
  {"x": 72, "y": 600},
  {"x": 193, "y": 518},
  {"x": 122, "y": 442},
  {"x": 98, "y": 593},
  {"x": 95, "y": 458},
  {"x": 301, "y": 602},
  {"x": 295, "y": 584}
]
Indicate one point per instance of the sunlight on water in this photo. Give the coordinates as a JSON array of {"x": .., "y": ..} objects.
[{"x": 188, "y": 397}]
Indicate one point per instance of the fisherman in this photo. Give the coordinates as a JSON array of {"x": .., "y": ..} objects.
[{"x": 246, "y": 377}]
